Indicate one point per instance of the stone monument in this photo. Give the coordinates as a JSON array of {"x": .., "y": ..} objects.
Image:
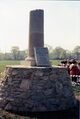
[
  {"x": 36, "y": 41},
  {"x": 39, "y": 87},
  {"x": 36, "y": 33}
]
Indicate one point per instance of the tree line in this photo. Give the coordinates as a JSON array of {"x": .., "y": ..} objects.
[
  {"x": 60, "y": 53},
  {"x": 14, "y": 54},
  {"x": 57, "y": 53}
]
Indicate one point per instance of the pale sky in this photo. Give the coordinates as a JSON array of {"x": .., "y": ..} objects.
[{"x": 61, "y": 23}]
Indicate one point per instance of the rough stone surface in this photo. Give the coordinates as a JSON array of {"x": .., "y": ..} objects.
[{"x": 36, "y": 89}]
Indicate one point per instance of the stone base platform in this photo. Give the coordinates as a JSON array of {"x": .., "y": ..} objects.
[{"x": 31, "y": 89}]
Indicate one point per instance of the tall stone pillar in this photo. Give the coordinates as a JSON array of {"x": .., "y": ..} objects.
[{"x": 36, "y": 33}]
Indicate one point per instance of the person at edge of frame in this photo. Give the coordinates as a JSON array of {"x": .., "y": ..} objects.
[{"x": 74, "y": 70}]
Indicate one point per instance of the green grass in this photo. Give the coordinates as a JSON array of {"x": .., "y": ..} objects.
[
  {"x": 14, "y": 62},
  {"x": 7, "y": 62},
  {"x": 55, "y": 62},
  {"x": 76, "y": 90}
]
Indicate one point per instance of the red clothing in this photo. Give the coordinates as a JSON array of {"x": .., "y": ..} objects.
[{"x": 74, "y": 69}]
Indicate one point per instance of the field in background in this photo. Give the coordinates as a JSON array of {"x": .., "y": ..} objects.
[
  {"x": 55, "y": 62},
  {"x": 14, "y": 62},
  {"x": 7, "y": 62}
]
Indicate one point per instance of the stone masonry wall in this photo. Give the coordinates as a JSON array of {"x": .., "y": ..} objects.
[{"x": 36, "y": 89}]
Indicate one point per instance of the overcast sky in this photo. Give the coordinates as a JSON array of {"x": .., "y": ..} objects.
[{"x": 61, "y": 23}]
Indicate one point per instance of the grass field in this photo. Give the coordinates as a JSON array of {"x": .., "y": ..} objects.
[
  {"x": 76, "y": 89},
  {"x": 55, "y": 62},
  {"x": 7, "y": 62},
  {"x": 15, "y": 62}
]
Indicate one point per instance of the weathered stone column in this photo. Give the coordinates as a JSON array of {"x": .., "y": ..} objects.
[{"x": 36, "y": 33}]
